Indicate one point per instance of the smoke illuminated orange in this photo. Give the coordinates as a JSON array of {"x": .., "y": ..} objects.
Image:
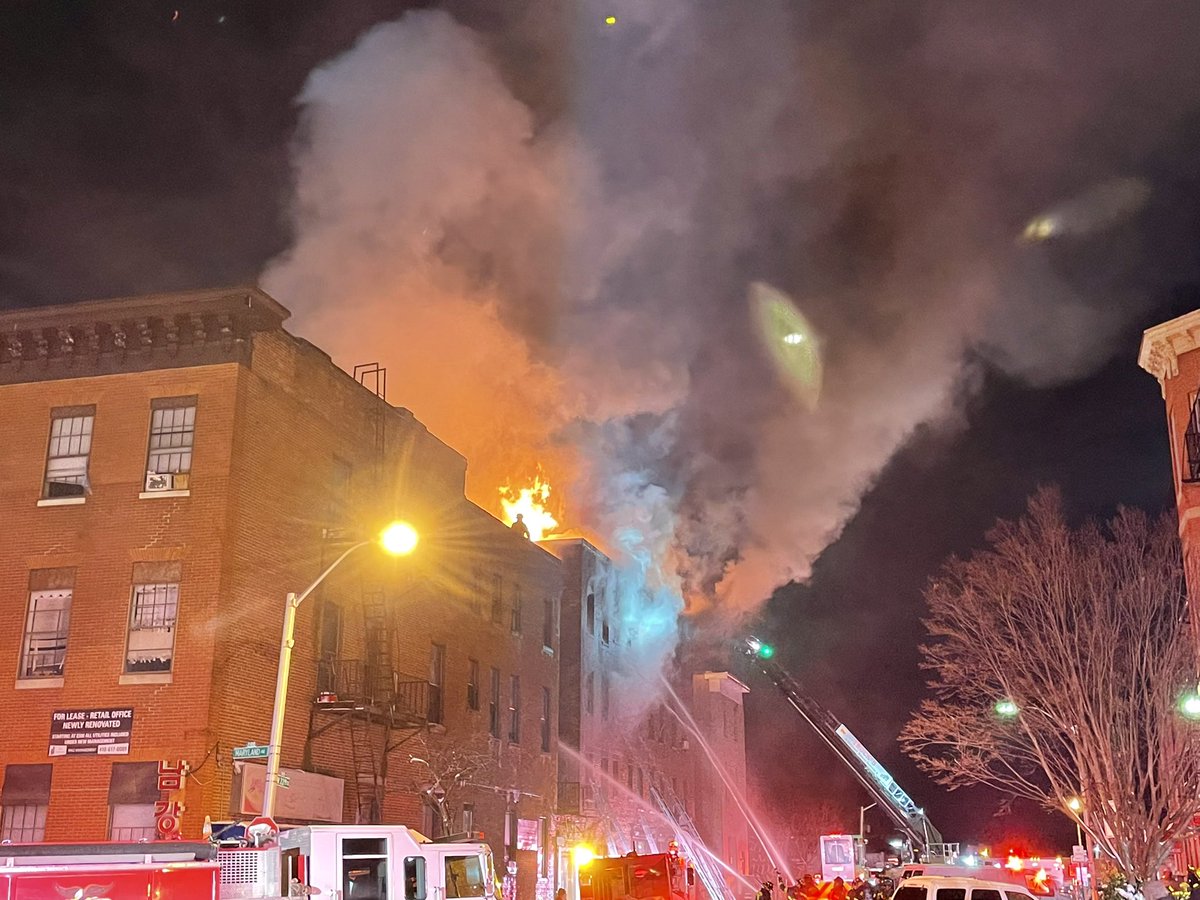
[{"x": 531, "y": 503}]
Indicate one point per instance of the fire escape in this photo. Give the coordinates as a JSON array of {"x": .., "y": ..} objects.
[{"x": 377, "y": 707}]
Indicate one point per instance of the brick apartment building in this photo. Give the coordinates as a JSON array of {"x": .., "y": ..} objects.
[
  {"x": 1171, "y": 353},
  {"x": 640, "y": 778},
  {"x": 170, "y": 467}
]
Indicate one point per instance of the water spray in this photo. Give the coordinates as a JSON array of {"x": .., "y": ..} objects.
[
  {"x": 773, "y": 855},
  {"x": 640, "y": 802}
]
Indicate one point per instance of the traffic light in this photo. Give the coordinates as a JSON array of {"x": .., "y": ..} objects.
[{"x": 766, "y": 651}]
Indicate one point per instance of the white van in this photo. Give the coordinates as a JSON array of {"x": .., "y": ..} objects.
[{"x": 950, "y": 887}]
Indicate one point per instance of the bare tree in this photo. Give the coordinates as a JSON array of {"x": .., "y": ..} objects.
[
  {"x": 447, "y": 768},
  {"x": 1059, "y": 658}
]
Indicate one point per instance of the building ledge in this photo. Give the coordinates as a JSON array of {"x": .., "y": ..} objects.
[
  {"x": 145, "y": 678},
  {"x": 154, "y": 495},
  {"x": 33, "y": 684},
  {"x": 1163, "y": 344},
  {"x": 62, "y": 501}
]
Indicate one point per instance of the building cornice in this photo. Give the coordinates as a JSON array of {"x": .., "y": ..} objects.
[
  {"x": 133, "y": 333},
  {"x": 1163, "y": 344}
]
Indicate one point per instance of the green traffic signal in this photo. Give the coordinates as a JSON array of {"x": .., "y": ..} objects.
[{"x": 766, "y": 651}]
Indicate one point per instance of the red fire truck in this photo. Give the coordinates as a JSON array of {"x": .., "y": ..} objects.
[
  {"x": 165, "y": 871},
  {"x": 652, "y": 876}
]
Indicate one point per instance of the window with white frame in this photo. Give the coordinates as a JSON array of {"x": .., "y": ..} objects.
[
  {"x": 47, "y": 624},
  {"x": 152, "y": 614},
  {"x": 132, "y": 822},
  {"x": 68, "y": 451},
  {"x": 24, "y": 823},
  {"x": 172, "y": 430}
]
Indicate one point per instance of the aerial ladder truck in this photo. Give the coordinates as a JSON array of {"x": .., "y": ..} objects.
[{"x": 877, "y": 781}]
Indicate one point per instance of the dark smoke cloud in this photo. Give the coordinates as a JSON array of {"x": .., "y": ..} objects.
[{"x": 546, "y": 227}]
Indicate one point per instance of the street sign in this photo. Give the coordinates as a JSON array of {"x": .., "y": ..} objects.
[
  {"x": 251, "y": 751},
  {"x": 1079, "y": 854},
  {"x": 284, "y": 781}
]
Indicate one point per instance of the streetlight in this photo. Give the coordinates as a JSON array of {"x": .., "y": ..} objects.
[
  {"x": 397, "y": 539},
  {"x": 1189, "y": 704},
  {"x": 862, "y": 811},
  {"x": 1007, "y": 708},
  {"x": 1075, "y": 805}
]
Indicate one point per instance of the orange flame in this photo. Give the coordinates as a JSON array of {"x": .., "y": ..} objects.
[{"x": 531, "y": 503}]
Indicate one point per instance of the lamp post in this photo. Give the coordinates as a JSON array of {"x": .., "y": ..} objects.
[{"x": 398, "y": 539}]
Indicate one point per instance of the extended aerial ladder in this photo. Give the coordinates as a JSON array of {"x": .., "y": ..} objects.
[{"x": 879, "y": 783}]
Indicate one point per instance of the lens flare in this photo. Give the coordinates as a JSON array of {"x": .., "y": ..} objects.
[{"x": 790, "y": 341}]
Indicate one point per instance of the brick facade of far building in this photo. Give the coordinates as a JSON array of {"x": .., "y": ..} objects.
[{"x": 170, "y": 467}]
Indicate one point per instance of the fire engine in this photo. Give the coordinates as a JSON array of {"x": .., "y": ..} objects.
[
  {"x": 337, "y": 862},
  {"x": 651, "y": 876}
]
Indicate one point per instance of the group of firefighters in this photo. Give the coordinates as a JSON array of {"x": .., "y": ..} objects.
[{"x": 809, "y": 888}]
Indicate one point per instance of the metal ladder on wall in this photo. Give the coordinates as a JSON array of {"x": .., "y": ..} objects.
[{"x": 369, "y": 754}]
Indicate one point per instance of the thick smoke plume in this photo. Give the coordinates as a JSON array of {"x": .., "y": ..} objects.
[{"x": 546, "y": 228}]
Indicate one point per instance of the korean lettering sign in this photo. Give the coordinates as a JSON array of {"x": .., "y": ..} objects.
[{"x": 91, "y": 731}]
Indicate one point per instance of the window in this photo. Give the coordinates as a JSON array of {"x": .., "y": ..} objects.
[
  {"x": 545, "y": 720},
  {"x": 437, "y": 678},
  {"x": 951, "y": 894},
  {"x": 364, "y": 868},
  {"x": 1017, "y": 895},
  {"x": 464, "y": 877},
  {"x": 68, "y": 451},
  {"x": 516, "y": 610},
  {"x": 172, "y": 427},
  {"x": 604, "y": 629},
  {"x": 468, "y": 817},
  {"x": 589, "y": 692},
  {"x": 910, "y": 893},
  {"x": 329, "y": 637},
  {"x": 132, "y": 793},
  {"x": 514, "y": 724},
  {"x": 132, "y": 822},
  {"x": 591, "y": 613},
  {"x": 477, "y": 592},
  {"x": 44, "y": 649},
  {"x": 604, "y": 695},
  {"x": 24, "y": 801},
  {"x": 152, "y": 613},
  {"x": 497, "y": 599},
  {"x": 979, "y": 894},
  {"x": 641, "y": 784},
  {"x": 340, "y": 477},
  {"x": 24, "y": 824},
  {"x": 548, "y": 623},
  {"x": 473, "y": 684},
  {"x": 494, "y": 705}
]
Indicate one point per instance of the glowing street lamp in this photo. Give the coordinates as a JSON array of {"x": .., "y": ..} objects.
[
  {"x": 582, "y": 855},
  {"x": 397, "y": 539},
  {"x": 1189, "y": 705},
  {"x": 1007, "y": 708}
]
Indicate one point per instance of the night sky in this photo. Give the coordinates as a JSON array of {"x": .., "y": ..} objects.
[{"x": 878, "y": 164}]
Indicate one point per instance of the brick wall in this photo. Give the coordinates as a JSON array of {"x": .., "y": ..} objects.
[{"x": 102, "y": 539}]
